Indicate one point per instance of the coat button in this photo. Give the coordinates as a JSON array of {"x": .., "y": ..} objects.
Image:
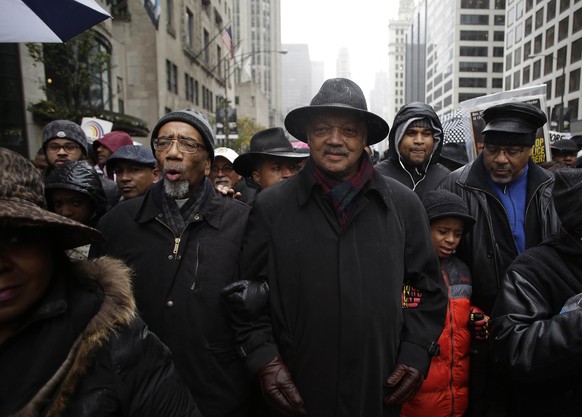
[
  {"x": 197, "y": 217},
  {"x": 170, "y": 304},
  {"x": 170, "y": 257}
]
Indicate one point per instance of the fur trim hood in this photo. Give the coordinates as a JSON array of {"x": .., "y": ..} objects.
[{"x": 117, "y": 310}]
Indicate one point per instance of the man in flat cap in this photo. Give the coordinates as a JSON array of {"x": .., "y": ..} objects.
[
  {"x": 565, "y": 151},
  {"x": 511, "y": 198},
  {"x": 335, "y": 243},
  {"x": 170, "y": 238},
  {"x": 135, "y": 169}
]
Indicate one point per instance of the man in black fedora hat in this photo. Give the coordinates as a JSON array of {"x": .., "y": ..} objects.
[
  {"x": 335, "y": 243},
  {"x": 270, "y": 159},
  {"x": 565, "y": 151},
  {"x": 511, "y": 198}
]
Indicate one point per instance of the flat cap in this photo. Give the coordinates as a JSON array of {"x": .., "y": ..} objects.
[
  {"x": 132, "y": 153},
  {"x": 564, "y": 145},
  {"x": 514, "y": 118}
]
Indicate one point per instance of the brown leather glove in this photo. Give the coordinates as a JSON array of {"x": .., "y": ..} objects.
[
  {"x": 279, "y": 390},
  {"x": 405, "y": 380}
]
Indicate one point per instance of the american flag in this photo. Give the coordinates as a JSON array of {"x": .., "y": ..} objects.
[{"x": 227, "y": 40}]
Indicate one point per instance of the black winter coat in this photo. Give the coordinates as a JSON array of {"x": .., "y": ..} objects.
[
  {"x": 489, "y": 247},
  {"x": 539, "y": 347},
  {"x": 425, "y": 178},
  {"x": 336, "y": 314},
  {"x": 177, "y": 288},
  {"x": 82, "y": 352}
]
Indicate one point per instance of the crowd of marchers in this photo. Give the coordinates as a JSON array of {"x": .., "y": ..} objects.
[{"x": 184, "y": 279}]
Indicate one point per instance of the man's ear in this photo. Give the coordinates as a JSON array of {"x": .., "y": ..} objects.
[
  {"x": 256, "y": 175},
  {"x": 207, "y": 166}
]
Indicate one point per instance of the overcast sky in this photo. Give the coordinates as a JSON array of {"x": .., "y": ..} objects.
[{"x": 328, "y": 25}]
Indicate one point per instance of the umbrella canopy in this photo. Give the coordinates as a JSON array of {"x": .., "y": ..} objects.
[{"x": 47, "y": 20}]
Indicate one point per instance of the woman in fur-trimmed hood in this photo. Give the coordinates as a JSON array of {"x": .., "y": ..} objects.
[{"x": 71, "y": 343}]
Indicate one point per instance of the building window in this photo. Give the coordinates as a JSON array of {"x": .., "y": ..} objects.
[
  {"x": 551, "y": 10},
  {"x": 498, "y": 51},
  {"x": 497, "y": 82},
  {"x": 527, "y": 28},
  {"x": 171, "y": 77},
  {"x": 550, "y": 37},
  {"x": 537, "y": 69},
  {"x": 573, "y": 105},
  {"x": 473, "y": 66},
  {"x": 473, "y": 82},
  {"x": 448, "y": 100},
  {"x": 517, "y": 57},
  {"x": 564, "y": 5},
  {"x": 475, "y": 35},
  {"x": 529, "y": 5},
  {"x": 497, "y": 67},
  {"x": 196, "y": 101},
  {"x": 474, "y": 4},
  {"x": 548, "y": 64},
  {"x": 205, "y": 46},
  {"x": 473, "y": 51},
  {"x": 508, "y": 82},
  {"x": 500, "y": 4},
  {"x": 499, "y": 36},
  {"x": 538, "y": 44},
  {"x": 516, "y": 80},
  {"x": 548, "y": 88},
  {"x": 498, "y": 20},
  {"x": 526, "y": 50},
  {"x": 563, "y": 29},
  {"x": 170, "y": 13},
  {"x": 577, "y": 25},
  {"x": 189, "y": 28},
  {"x": 475, "y": 19},
  {"x": 525, "y": 75},
  {"x": 576, "y": 51},
  {"x": 562, "y": 57},
  {"x": 508, "y": 61},
  {"x": 539, "y": 18}
]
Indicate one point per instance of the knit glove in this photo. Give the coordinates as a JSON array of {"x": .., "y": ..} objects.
[
  {"x": 279, "y": 390},
  {"x": 246, "y": 299},
  {"x": 405, "y": 380},
  {"x": 479, "y": 324},
  {"x": 410, "y": 296}
]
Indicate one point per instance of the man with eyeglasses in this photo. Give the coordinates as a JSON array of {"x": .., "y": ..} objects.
[
  {"x": 64, "y": 141},
  {"x": 511, "y": 198},
  {"x": 182, "y": 238},
  {"x": 224, "y": 177}
]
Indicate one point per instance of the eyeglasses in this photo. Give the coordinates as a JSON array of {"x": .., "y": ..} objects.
[
  {"x": 68, "y": 147},
  {"x": 227, "y": 169},
  {"x": 184, "y": 145},
  {"x": 510, "y": 152}
]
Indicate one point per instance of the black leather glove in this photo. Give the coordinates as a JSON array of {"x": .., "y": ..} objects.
[
  {"x": 279, "y": 390},
  {"x": 246, "y": 299},
  {"x": 405, "y": 380}
]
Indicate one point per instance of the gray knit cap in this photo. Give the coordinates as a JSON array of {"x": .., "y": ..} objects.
[
  {"x": 64, "y": 129},
  {"x": 192, "y": 117}
]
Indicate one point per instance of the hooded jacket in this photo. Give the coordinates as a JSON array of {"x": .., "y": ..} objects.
[
  {"x": 83, "y": 352},
  {"x": 80, "y": 177},
  {"x": 536, "y": 345},
  {"x": 419, "y": 179}
]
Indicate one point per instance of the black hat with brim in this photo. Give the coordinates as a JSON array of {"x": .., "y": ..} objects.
[
  {"x": 334, "y": 94},
  {"x": 271, "y": 142}
]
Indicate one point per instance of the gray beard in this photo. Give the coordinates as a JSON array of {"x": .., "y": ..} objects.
[{"x": 176, "y": 189}]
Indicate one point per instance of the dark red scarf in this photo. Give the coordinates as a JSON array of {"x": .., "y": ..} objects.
[{"x": 342, "y": 193}]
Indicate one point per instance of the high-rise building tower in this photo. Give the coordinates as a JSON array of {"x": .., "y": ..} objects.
[
  {"x": 296, "y": 70},
  {"x": 343, "y": 64},
  {"x": 543, "y": 45},
  {"x": 397, "y": 29},
  {"x": 257, "y": 29}
]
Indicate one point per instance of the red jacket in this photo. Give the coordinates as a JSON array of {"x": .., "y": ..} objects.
[{"x": 445, "y": 392}]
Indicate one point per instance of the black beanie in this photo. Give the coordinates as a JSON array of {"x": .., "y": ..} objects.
[
  {"x": 440, "y": 204},
  {"x": 192, "y": 117},
  {"x": 568, "y": 197},
  {"x": 423, "y": 122}
]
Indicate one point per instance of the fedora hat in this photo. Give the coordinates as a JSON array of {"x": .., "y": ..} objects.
[
  {"x": 337, "y": 93},
  {"x": 266, "y": 142},
  {"x": 23, "y": 204}
]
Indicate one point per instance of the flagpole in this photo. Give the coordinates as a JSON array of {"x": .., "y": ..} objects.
[{"x": 210, "y": 41}]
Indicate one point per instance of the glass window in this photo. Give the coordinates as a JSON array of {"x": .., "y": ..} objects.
[
  {"x": 560, "y": 81},
  {"x": 573, "y": 105},
  {"x": 500, "y": 4},
  {"x": 206, "y": 50},
  {"x": 448, "y": 100},
  {"x": 473, "y": 66},
  {"x": 576, "y": 51},
  {"x": 527, "y": 29},
  {"x": 497, "y": 82},
  {"x": 499, "y": 35},
  {"x": 563, "y": 29},
  {"x": 550, "y": 37},
  {"x": 526, "y": 50},
  {"x": 562, "y": 57},
  {"x": 508, "y": 82},
  {"x": 508, "y": 61},
  {"x": 170, "y": 12},
  {"x": 517, "y": 57},
  {"x": 548, "y": 88},
  {"x": 189, "y": 28},
  {"x": 499, "y": 20},
  {"x": 564, "y": 5},
  {"x": 525, "y": 75},
  {"x": 474, "y": 4},
  {"x": 497, "y": 51},
  {"x": 473, "y": 51},
  {"x": 528, "y": 5},
  {"x": 539, "y": 18},
  {"x": 473, "y": 82},
  {"x": 498, "y": 67},
  {"x": 538, "y": 44},
  {"x": 537, "y": 69},
  {"x": 577, "y": 24},
  {"x": 475, "y": 35},
  {"x": 475, "y": 19},
  {"x": 516, "y": 79},
  {"x": 551, "y": 10},
  {"x": 548, "y": 64}
]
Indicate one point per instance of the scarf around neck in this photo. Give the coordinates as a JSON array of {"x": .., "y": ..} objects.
[
  {"x": 342, "y": 193},
  {"x": 178, "y": 218}
]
